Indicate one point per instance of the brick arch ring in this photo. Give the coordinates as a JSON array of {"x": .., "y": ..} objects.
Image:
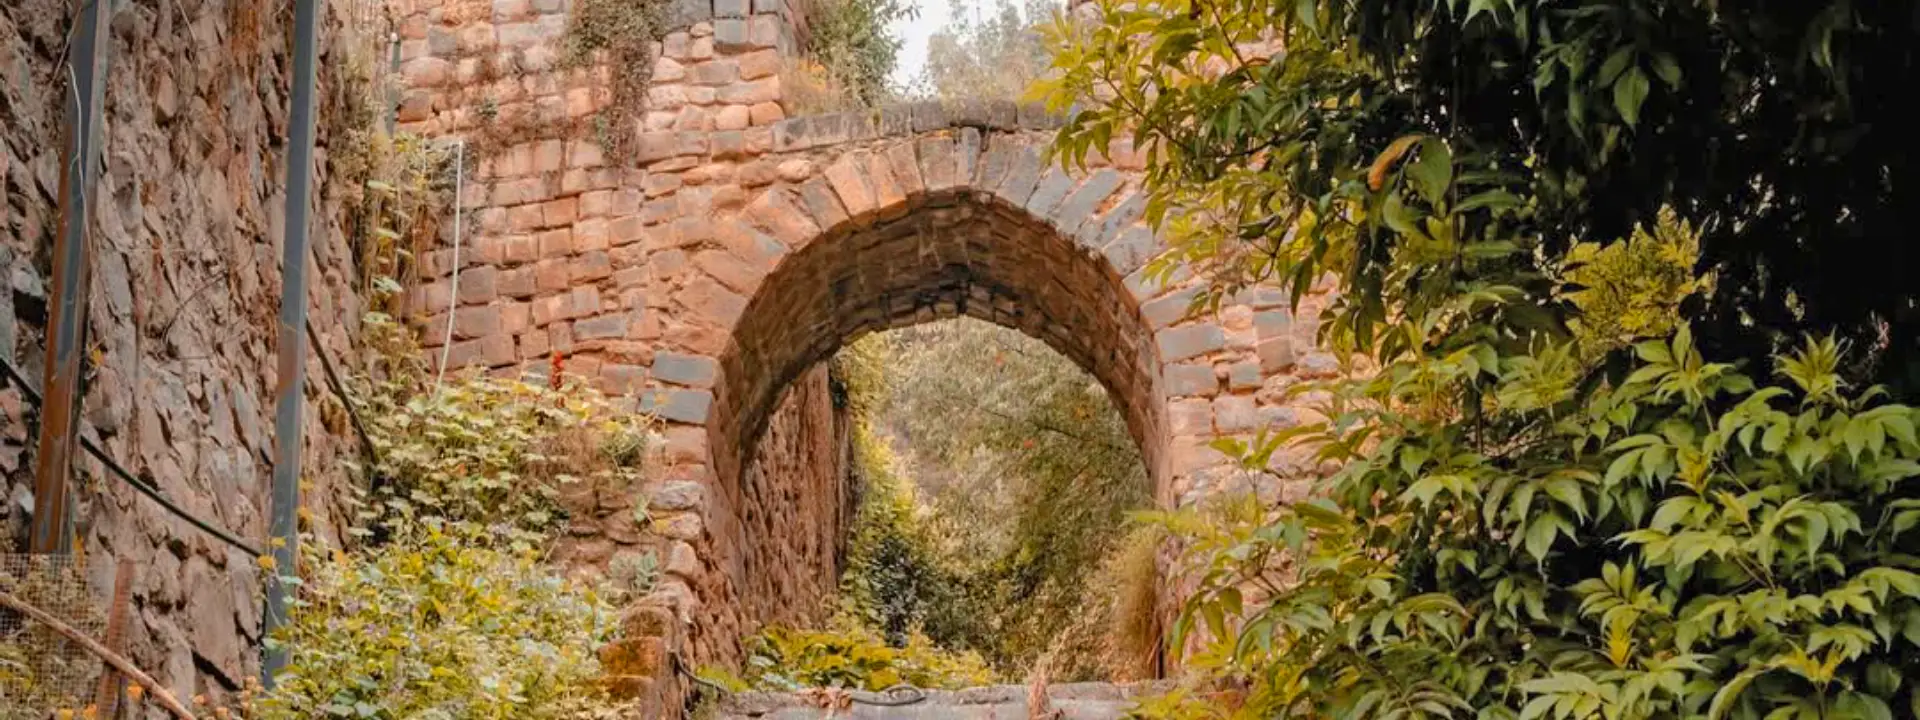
[{"x": 942, "y": 225}]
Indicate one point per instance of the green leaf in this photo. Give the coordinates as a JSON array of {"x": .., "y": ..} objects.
[
  {"x": 1667, "y": 70},
  {"x": 1615, "y": 64},
  {"x": 1540, "y": 535},
  {"x": 1628, "y": 94},
  {"x": 1432, "y": 174}
]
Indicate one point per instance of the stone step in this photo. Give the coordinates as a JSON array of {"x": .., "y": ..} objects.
[{"x": 1068, "y": 701}]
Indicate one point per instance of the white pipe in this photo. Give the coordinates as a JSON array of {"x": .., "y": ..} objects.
[{"x": 453, "y": 292}]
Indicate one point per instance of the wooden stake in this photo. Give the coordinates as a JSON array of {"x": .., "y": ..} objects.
[{"x": 107, "y": 698}]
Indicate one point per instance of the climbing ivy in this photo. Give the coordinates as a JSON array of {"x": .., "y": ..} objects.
[{"x": 619, "y": 36}]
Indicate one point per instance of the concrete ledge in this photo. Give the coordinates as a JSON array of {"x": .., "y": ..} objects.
[{"x": 1075, "y": 701}]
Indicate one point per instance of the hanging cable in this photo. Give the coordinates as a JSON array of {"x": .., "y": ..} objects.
[
  {"x": 340, "y": 391},
  {"x": 453, "y": 293},
  {"x": 121, "y": 474}
]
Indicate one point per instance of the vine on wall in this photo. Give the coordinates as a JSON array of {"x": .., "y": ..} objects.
[{"x": 624, "y": 36}]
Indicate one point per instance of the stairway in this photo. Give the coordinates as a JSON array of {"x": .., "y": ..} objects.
[{"x": 1071, "y": 701}]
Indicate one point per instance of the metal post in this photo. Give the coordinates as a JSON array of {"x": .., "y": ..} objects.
[
  {"x": 86, "y": 70},
  {"x": 285, "y": 529}
]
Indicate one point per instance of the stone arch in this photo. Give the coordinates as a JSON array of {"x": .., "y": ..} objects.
[
  {"x": 879, "y": 252},
  {"x": 661, "y": 274}
]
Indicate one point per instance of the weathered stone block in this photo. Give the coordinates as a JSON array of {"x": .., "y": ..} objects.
[
  {"x": 1276, "y": 355},
  {"x": 678, "y": 496},
  {"x": 694, "y": 371},
  {"x": 928, "y": 116},
  {"x": 732, "y": 118},
  {"x": 1191, "y": 416},
  {"x": 1273, "y": 324},
  {"x": 604, "y": 327},
  {"x": 759, "y": 64},
  {"x": 1097, "y": 233},
  {"x": 1235, "y": 414},
  {"x": 848, "y": 176},
  {"x": 1189, "y": 380},
  {"x": 719, "y": 71},
  {"x": 479, "y": 286},
  {"x": 822, "y": 205},
  {"x": 749, "y": 92},
  {"x": 517, "y": 283},
  {"x": 682, "y": 406},
  {"x": 1170, "y": 308},
  {"x": 1074, "y": 211},
  {"x": 767, "y": 113},
  {"x": 1022, "y": 175},
  {"x": 683, "y": 13},
  {"x": 1244, "y": 376},
  {"x": 1051, "y": 189},
  {"x": 1189, "y": 341},
  {"x": 730, "y": 270},
  {"x": 589, "y": 267},
  {"x": 767, "y": 31}
]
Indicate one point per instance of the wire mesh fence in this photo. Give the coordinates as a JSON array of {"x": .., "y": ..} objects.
[{"x": 41, "y": 671}]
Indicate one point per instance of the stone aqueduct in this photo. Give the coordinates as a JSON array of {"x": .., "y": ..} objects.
[{"x": 707, "y": 278}]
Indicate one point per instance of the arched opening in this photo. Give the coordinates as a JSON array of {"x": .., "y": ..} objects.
[
  {"x": 942, "y": 255},
  {"x": 935, "y": 256}
]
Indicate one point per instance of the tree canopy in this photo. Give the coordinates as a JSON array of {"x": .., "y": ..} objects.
[
  {"x": 1623, "y": 274},
  {"x": 1780, "y": 128}
]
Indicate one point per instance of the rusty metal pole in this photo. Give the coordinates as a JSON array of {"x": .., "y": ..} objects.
[
  {"x": 284, "y": 524},
  {"x": 86, "y": 64}
]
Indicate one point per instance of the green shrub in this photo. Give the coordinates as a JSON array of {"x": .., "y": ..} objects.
[
  {"x": 437, "y": 626},
  {"x": 893, "y": 581},
  {"x": 849, "y": 655},
  {"x": 481, "y": 453},
  {"x": 1683, "y": 543},
  {"x": 850, "y": 40}
]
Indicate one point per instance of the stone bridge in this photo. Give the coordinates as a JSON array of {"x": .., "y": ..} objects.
[{"x": 709, "y": 275}]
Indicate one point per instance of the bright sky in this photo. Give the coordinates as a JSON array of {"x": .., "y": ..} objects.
[{"x": 913, "y": 36}]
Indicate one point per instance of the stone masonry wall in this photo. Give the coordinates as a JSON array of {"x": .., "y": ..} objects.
[
  {"x": 736, "y": 248},
  {"x": 185, "y": 287},
  {"x": 795, "y": 512}
]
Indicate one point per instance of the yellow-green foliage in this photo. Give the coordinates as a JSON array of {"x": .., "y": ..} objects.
[
  {"x": 484, "y": 453},
  {"x": 1632, "y": 289},
  {"x": 893, "y": 579},
  {"x": 848, "y": 655},
  {"x": 1028, "y": 471},
  {"x": 437, "y": 626},
  {"x": 445, "y": 607},
  {"x": 850, "y": 40}
]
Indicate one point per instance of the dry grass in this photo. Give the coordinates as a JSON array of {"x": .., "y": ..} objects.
[
  {"x": 808, "y": 89},
  {"x": 1132, "y": 575}
]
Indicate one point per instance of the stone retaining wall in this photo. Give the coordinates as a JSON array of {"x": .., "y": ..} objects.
[{"x": 188, "y": 220}]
